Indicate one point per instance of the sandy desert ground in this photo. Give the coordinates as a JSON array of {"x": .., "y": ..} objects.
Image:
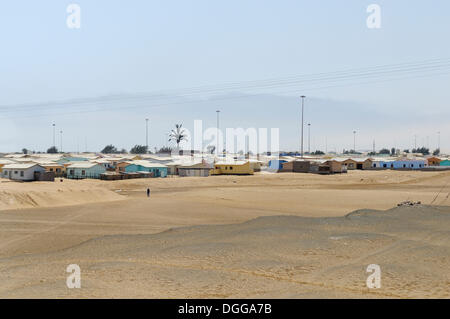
[{"x": 268, "y": 235}]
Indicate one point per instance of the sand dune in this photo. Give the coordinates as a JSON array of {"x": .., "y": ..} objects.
[
  {"x": 17, "y": 195},
  {"x": 276, "y": 256},
  {"x": 275, "y": 235}
]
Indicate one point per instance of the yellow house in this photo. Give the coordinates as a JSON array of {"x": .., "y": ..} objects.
[
  {"x": 120, "y": 166},
  {"x": 59, "y": 169},
  {"x": 232, "y": 168}
]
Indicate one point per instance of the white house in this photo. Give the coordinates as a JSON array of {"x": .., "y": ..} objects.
[
  {"x": 403, "y": 163},
  {"x": 22, "y": 172}
]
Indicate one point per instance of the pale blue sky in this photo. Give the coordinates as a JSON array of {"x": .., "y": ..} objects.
[{"x": 129, "y": 47}]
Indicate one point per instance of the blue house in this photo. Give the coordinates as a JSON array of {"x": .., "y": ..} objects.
[
  {"x": 276, "y": 165},
  {"x": 158, "y": 170},
  {"x": 67, "y": 159},
  {"x": 83, "y": 170}
]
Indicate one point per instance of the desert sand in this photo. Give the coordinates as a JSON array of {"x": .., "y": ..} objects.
[{"x": 268, "y": 235}]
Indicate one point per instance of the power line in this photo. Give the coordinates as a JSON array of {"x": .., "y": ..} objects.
[{"x": 141, "y": 98}]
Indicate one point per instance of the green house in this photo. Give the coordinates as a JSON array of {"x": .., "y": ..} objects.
[
  {"x": 445, "y": 163},
  {"x": 83, "y": 170},
  {"x": 158, "y": 170}
]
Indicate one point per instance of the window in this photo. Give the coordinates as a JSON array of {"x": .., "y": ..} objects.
[
  {"x": 71, "y": 172},
  {"x": 231, "y": 167},
  {"x": 374, "y": 165},
  {"x": 21, "y": 173},
  {"x": 384, "y": 165},
  {"x": 16, "y": 172},
  {"x": 83, "y": 172},
  {"x": 404, "y": 165},
  {"x": 51, "y": 169}
]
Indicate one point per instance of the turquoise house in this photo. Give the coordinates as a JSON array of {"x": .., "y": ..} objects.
[
  {"x": 67, "y": 159},
  {"x": 445, "y": 163},
  {"x": 83, "y": 170},
  {"x": 158, "y": 170}
]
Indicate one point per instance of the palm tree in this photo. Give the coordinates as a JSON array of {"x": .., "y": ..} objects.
[{"x": 178, "y": 135}]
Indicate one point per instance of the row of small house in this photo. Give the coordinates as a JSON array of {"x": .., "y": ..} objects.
[
  {"x": 135, "y": 166},
  {"x": 78, "y": 170},
  {"x": 342, "y": 165}
]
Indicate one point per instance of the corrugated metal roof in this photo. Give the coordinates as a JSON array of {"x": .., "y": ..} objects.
[
  {"x": 147, "y": 164},
  {"x": 82, "y": 165},
  {"x": 20, "y": 166}
]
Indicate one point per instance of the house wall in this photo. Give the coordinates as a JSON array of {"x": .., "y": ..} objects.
[
  {"x": 351, "y": 164},
  {"x": 444, "y": 163},
  {"x": 199, "y": 172},
  {"x": 28, "y": 174},
  {"x": 336, "y": 167},
  {"x": 92, "y": 172},
  {"x": 58, "y": 170},
  {"x": 232, "y": 169},
  {"x": 157, "y": 171},
  {"x": 417, "y": 164},
  {"x": 276, "y": 164},
  {"x": 287, "y": 167},
  {"x": 433, "y": 161}
]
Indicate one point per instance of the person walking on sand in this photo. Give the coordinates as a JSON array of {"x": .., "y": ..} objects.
[{"x": 148, "y": 192}]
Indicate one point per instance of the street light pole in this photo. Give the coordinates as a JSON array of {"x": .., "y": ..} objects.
[
  {"x": 309, "y": 138},
  {"x": 439, "y": 141},
  {"x": 217, "y": 135},
  {"x": 146, "y": 135},
  {"x": 303, "y": 112},
  {"x": 54, "y": 143}
]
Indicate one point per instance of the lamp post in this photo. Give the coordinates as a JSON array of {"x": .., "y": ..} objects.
[
  {"x": 303, "y": 112},
  {"x": 54, "y": 143},
  {"x": 439, "y": 140},
  {"x": 309, "y": 138},
  {"x": 146, "y": 135},
  {"x": 217, "y": 135}
]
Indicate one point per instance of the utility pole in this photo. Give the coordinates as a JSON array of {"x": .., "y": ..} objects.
[
  {"x": 309, "y": 138},
  {"x": 217, "y": 135},
  {"x": 373, "y": 147},
  {"x": 61, "y": 141},
  {"x": 146, "y": 135},
  {"x": 439, "y": 141},
  {"x": 303, "y": 112},
  {"x": 54, "y": 143},
  {"x": 415, "y": 141},
  {"x": 354, "y": 141}
]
